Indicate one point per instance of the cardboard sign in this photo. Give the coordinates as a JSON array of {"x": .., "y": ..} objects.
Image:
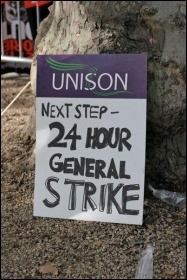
[{"x": 90, "y": 137}]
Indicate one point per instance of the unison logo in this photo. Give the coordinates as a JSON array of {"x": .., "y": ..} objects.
[{"x": 103, "y": 84}]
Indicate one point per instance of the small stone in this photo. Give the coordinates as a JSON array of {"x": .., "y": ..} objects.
[
  {"x": 146, "y": 202},
  {"x": 169, "y": 232},
  {"x": 149, "y": 226},
  {"x": 169, "y": 220},
  {"x": 150, "y": 219},
  {"x": 170, "y": 272},
  {"x": 97, "y": 243},
  {"x": 48, "y": 268},
  {"x": 183, "y": 9}
]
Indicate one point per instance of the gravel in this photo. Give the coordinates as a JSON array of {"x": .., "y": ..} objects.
[{"x": 45, "y": 248}]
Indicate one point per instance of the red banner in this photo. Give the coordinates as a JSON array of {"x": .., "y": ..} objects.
[{"x": 30, "y": 4}]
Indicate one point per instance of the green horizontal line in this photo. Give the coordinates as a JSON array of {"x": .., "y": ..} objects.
[{"x": 54, "y": 62}]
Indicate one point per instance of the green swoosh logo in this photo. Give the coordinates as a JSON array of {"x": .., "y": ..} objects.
[{"x": 61, "y": 66}]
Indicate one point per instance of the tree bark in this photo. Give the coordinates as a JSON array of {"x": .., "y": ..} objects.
[{"x": 153, "y": 27}]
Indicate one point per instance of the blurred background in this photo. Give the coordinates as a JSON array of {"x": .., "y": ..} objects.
[{"x": 19, "y": 26}]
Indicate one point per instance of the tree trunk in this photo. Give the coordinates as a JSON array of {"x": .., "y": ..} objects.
[{"x": 153, "y": 27}]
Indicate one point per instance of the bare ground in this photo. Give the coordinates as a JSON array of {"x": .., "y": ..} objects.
[{"x": 74, "y": 249}]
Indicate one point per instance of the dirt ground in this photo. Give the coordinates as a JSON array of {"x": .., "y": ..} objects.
[{"x": 45, "y": 248}]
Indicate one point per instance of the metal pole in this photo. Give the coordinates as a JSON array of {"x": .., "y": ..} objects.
[
  {"x": 37, "y": 16},
  {"x": 16, "y": 59},
  {"x": 2, "y": 45},
  {"x": 19, "y": 29}
]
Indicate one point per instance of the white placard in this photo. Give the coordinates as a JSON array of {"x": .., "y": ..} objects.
[{"x": 90, "y": 158}]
